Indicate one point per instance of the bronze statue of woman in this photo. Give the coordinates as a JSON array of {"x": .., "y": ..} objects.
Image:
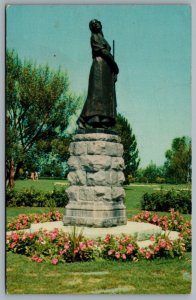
[{"x": 99, "y": 110}]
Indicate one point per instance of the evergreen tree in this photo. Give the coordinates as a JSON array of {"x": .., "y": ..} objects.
[{"x": 129, "y": 142}]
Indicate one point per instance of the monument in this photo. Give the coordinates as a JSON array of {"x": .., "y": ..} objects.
[{"x": 96, "y": 164}]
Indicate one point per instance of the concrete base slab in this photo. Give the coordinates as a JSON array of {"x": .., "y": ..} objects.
[{"x": 142, "y": 231}]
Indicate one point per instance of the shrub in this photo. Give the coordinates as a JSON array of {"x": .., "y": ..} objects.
[
  {"x": 119, "y": 248},
  {"x": 163, "y": 201},
  {"x": 32, "y": 198},
  {"x": 163, "y": 247},
  {"x": 53, "y": 246},
  {"x": 23, "y": 221},
  {"x": 160, "y": 180}
]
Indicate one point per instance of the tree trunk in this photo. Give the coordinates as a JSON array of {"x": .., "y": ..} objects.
[{"x": 10, "y": 173}]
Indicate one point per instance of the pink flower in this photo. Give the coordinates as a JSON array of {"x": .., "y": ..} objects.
[
  {"x": 62, "y": 252},
  {"x": 117, "y": 255},
  {"x": 66, "y": 246},
  {"x": 124, "y": 256},
  {"x": 107, "y": 239},
  {"x": 152, "y": 238},
  {"x": 162, "y": 243},
  {"x": 130, "y": 248},
  {"x": 31, "y": 235},
  {"x": 54, "y": 261},
  {"x": 110, "y": 252},
  {"x": 82, "y": 246},
  {"x": 18, "y": 226},
  {"x": 148, "y": 255},
  {"x": 36, "y": 258},
  {"x": 157, "y": 248},
  {"x": 90, "y": 243},
  {"x": 120, "y": 247},
  {"x": 13, "y": 245},
  {"x": 15, "y": 237},
  {"x": 142, "y": 250},
  {"x": 155, "y": 218},
  {"x": 53, "y": 236}
]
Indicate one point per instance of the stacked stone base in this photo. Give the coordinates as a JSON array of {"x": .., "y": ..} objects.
[{"x": 96, "y": 176}]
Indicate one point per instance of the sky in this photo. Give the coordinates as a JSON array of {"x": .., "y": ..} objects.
[{"x": 152, "y": 50}]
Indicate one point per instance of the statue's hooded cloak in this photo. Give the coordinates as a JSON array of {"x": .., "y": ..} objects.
[{"x": 101, "y": 99}]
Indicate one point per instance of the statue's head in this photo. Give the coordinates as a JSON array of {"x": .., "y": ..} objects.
[{"x": 95, "y": 26}]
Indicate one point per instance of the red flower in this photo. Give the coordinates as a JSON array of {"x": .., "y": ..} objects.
[{"x": 15, "y": 237}]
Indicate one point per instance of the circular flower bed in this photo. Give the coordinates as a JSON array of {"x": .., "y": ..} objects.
[{"x": 57, "y": 246}]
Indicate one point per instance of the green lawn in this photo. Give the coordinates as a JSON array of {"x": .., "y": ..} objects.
[
  {"x": 171, "y": 276},
  {"x": 44, "y": 185},
  {"x": 134, "y": 194}
]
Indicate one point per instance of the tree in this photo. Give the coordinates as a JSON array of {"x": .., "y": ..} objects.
[
  {"x": 154, "y": 173},
  {"x": 38, "y": 108},
  {"x": 129, "y": 142},
  {"x": 178, "y": 161}
]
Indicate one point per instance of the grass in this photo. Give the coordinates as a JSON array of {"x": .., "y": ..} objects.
[
  {"x": 44, "y": 185},
  {"x": 133, "y": 195},
  {"x": 171, "y": 276},
  {"x": 163, "y": 276}
]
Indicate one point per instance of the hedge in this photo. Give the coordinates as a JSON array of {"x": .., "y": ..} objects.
[
  {"x": 179, "y": 200},
  {"x": 32, "y": 198}
]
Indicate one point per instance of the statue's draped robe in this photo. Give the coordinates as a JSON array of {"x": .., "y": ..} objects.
[{"x": 100, "y": 104}]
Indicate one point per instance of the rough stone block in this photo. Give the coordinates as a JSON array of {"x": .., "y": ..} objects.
[
  {"x": 77, "y": 177},
  {"x": 78, "y": 148},
  {"x": 73, "y": 193},
  {"x": 74, "y": 163},
  {"x": 117, "y": 163},
  {"x": 102, "y": 193},
  {"x": 118, "y": 194},
  {"x": 96, "y": 147},
  {"x": 114, "y": 149},
  {"x": 97, "y": 178},
  {"x": 86, "y": 194},
  {"x": 121, "y": 178},
  {"x": 94, "y": 163}
]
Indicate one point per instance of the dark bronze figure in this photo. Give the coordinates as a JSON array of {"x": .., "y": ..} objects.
[{"x": 99, "y": 110}]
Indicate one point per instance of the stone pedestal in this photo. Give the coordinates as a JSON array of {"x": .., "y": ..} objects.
[{"x": 96, "y": 176}]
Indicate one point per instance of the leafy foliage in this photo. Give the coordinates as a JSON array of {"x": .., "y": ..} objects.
[
  {"x": 24, "y": 221},
  {"x": 178, "y": 161},
  {"x": 163, "y": 201},
  {"x": 38, "y": 108},
  {"x": 128, "y": 139},
  {"x": 152, "y": 173},
  {"x": 32, "y": 198}
]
